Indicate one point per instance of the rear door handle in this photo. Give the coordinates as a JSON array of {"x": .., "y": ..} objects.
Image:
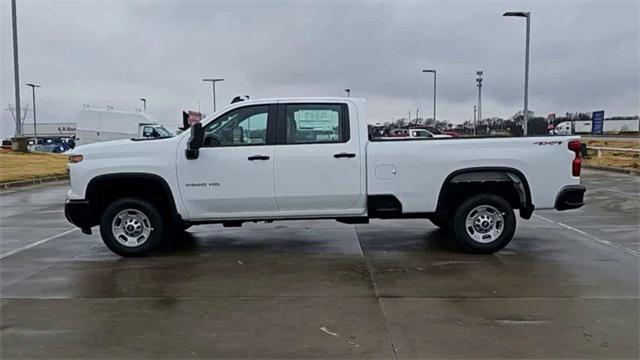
[
  {"x": 344, "y": 155},
  {"x": 258, "y": 157}
]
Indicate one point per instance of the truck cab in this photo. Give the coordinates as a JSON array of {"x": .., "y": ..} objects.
[{"x": 564, "y": 128}]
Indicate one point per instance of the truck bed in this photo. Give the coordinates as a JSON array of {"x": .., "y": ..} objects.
[{"x": 407, "y": 167}]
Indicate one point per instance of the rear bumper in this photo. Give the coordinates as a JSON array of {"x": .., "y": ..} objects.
[
  {"x": 570, "y": 197},
  {"x": 78, "y": 212}
]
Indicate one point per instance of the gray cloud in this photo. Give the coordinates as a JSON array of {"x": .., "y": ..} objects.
[{"x": 584, "y": 54}]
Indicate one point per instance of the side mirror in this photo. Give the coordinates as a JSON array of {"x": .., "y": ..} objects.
[{"x": 195, "y": 141}]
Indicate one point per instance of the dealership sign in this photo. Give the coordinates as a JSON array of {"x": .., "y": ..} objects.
[
  {"x": 597, "y": 122},
  {"x": 194, "y": 117},
  {"x": 551, "y": 119}
]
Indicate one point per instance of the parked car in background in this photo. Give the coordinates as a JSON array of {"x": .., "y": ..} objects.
[
  {"x": 425, "y": 134},
  {"x": 52, "y": 148},
  {"x": 415, "y": 133},
  {"x": 443, "y": 132}
]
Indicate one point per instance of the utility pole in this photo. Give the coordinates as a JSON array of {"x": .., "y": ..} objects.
[
  {"x": 475, "y": 125},
  {"x": 33, "y": 93},
  {"x": 144, "y": 103},
  {"x": 213, "y": 86},
  {"x": 526, "y": 80},
  {"x": 479, "y": 81},
  {"x": 16, "y": 71},
  {"x": 417, "y": 111}
]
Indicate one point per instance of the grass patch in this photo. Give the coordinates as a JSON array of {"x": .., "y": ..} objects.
[
  {"x": 617, "y": 159},
  {"x": 614, "y": 144},
  {"x": 15, "y": 166}
]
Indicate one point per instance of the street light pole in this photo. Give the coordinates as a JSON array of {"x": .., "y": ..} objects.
[
  {"x": 33, "y": 93},
  {"x": 525, "y": 114},
  {"x": 479, "y": 81},
  {"x": 213, "y": 87},
  {"x": 348, "y": 92},
  {"x": 434, "y": 93},
  {"x": 16, "y": 76},
  {"x": 144, "y": 103}
]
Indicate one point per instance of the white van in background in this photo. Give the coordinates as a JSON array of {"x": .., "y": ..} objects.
[{"x": 96, "y": 125}]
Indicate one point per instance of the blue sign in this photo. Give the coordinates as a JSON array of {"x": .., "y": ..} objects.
[{"x": 597, "y": 122}]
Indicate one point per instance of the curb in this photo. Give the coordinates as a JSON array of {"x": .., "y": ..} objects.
[
  {"x": 17, "y": 184},
  {"x": 612, "y": 169}
]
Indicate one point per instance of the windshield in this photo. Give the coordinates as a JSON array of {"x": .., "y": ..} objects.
[
  {"x": 163, "y": 131},
  {"x": 421, "y": 133},
  {"x": 155, "y": 131}
]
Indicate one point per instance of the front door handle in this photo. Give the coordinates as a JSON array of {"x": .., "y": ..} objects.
[
  {"x": 344, "y": 155},
  {"x": 258, "y": 157}
]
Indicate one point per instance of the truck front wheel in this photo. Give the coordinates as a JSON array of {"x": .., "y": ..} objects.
[
  {"x": 484, "y": 223},
  {"x": 131, "y": 227}
]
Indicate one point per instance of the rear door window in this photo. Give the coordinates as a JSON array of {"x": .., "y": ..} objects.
[{"x": 316, "y": 123}]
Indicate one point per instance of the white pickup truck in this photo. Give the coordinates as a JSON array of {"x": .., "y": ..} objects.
[{"x": 313, "y": 158}]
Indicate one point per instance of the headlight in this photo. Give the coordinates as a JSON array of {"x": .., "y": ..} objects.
[{"x": 76, "y": 158}]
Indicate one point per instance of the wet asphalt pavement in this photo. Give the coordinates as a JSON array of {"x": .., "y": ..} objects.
[{"x": 566, "y": 287}]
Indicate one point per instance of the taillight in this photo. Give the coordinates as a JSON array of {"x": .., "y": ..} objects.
[{"x": 576, "y": 165}]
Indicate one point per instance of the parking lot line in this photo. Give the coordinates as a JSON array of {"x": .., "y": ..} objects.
[
  {"x": 39, "y": 242},
  {"x": 372, "y": 279},
  {"x": 591, "y": 237}
]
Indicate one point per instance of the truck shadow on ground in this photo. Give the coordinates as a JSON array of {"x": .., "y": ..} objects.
[{"x": 292, "y": 240}]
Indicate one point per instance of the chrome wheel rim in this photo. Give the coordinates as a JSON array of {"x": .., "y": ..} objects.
[
  {"x": 131, "y": 228},
  {"x": 484, "y": 224}
]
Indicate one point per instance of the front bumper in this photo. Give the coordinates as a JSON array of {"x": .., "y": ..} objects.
[
  {"x": 570, "y": 197},
  {"x": 78, "y": 212}
]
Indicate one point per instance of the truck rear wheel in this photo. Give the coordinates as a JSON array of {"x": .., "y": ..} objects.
[
  {"x": 131, "y": 227},
  {"x": 484, "y": 223}
]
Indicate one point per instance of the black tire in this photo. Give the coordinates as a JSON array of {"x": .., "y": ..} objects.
[
  {"x": 152, "y": 242},
  {"x": 441, "y": 221},
  {"x": 465, "y": 240},
  {"x": 177, "y": 231}
]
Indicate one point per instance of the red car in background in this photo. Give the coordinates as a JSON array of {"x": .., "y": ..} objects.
[{"x": 440, "y": 132}]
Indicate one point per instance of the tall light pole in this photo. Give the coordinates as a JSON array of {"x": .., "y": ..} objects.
[
  {"x": 33, "y": 94},
  {"x": 434, "y": 93},
  {"x": 526, "y": 15},
  {"x": 475, "y": 126},
  {"x": 144, "y": 103},
  {"x": 479, "y": 81},
  {"x": 348, "y": 92},
  {"x": 213, "y": 86},
  {"x": 16, "y": 76}
]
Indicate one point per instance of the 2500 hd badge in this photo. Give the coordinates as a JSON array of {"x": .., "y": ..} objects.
[{"x": 202, "y": 184}]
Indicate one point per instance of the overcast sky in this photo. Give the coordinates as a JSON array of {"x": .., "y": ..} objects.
[{"x": 585, "y": 55}]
